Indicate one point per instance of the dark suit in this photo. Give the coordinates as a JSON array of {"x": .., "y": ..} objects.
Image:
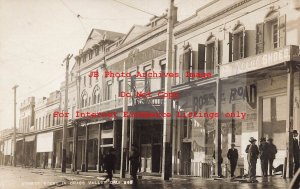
[
  {"x": 264, "y": 150},
  {"x": 233, "y": 156},
  {"x": 273, "y": 152},
  {"x": 296, "y": 154},
  {"x": 252, "y": 155}
]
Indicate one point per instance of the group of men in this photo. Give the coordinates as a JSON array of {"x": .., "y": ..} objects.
[
  {"x": 266, "y": 151},
  {"x": 110, "y": 160}
]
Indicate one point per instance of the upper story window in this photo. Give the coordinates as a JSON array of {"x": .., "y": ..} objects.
[
  {"x": 84, "y": 81},
  {"x": 96, "y": 50},
  {"x": 84, "y": 58},
  {"x": 121, "y": 88},
  {"x": 96, "y": 95},
  {"x": 211, "y": 55},
  {"x": 90, "y": 81},
  {"x": 108, "y": 90},
  {"x": 147, "y": 69},
  {"x": 133, "y": 83},
  {"x": 163, "y": 70},
  {"x": 84, "y": 99},
  {"x": 271, "y": 34},
  {"x": 185, "y": 61},
  {"x": 238, "y": 42},
  {"x": 90, "y": 54}
]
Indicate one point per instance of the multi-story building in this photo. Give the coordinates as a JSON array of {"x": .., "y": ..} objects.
[
  {"x": 251, "y": 49},
  {"x": 235, "y": 77}
]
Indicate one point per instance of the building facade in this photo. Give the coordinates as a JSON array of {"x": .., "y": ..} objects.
[{"x": 234, "y": 77}]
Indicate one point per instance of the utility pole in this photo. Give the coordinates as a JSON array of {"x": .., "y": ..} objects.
[
  {"x": 167, "y": 152},
  {"x": 124, "y": 147},
  {"x": 64, "y": 141},
  {"x": 15, "y": 124}
]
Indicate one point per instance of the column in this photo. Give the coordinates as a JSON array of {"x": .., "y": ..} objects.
[
  {"x": 75, "y": 144},
  {"x": 175, "y": 142},
  {"x": 99, "y": 150},
  {"x": 124, "y": 139},
  {"x": 290, "y": 114},
  {"x": 86, "y": 158},
  {"x": 218, "y": 127}
]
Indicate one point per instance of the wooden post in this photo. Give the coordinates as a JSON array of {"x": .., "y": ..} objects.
[
  {"x": 290, "y": 114},
  {"x": 218, "y": 127}
]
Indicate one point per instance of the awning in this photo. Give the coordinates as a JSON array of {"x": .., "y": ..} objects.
[
  {"x": 29, "y": 138},
  {"x": 44, "y": 142},
  {"x": 8, "y": 147}
]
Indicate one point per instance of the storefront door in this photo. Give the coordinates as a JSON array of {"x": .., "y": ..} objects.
[{"x": 274, "y": 118}]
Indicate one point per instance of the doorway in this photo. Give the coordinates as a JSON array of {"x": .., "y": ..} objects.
[
  {"x": 274, "y": 123},
  {"x": 156, "y": 158},
  {"x": 186, "y": 158}
]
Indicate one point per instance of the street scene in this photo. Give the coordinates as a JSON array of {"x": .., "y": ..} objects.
[{"x": 150, "y": 94}]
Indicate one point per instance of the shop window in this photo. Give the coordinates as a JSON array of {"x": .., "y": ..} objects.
[
  {"x": 96, "y": 95},
  {"x": 271, "y": 34},
  {"x": 163, "y": 70},
  {"x": 120, "y": 87}
]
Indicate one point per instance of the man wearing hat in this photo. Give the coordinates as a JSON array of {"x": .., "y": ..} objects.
[
  {"x": 272, "y": 153},
  {"x": 264, "y": 156},
  {"x": 109, "y": 163},
  {"x": 135, "y": 161},
  {"x": 296, "y": 152},
  {"x": 233, "y": 156},
  {"x": 252, "y": 155}
]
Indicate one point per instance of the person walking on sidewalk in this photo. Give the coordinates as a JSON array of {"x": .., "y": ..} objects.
[
  {"x": 233, "y": 156},
  {"x": 134, "y": 159},
  {"x": 272, "y": 154},
  {"x": 219, "y": 163},
  {"x": 296, "y": 151},
  {"x": 109, "y": 163},
  {"x": 264, "y": 156},
  {"x": 252, "y": 155}
]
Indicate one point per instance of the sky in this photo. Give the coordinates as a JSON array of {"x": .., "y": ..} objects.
[{"x": 36, "y": 36}]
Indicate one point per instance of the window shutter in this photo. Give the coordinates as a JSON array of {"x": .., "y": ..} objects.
[
  {"x": 259, "y": 38},
  {"x": 282, "y": 29},
  {"x": 201, "y": 57},
  {"x": 230, "y": 47},
  {"x": 216, "y": 58},
  {"x": 186, "y": 64},
  {"x": 243, "y": 45},
  {"x": 181, "y": 66}
]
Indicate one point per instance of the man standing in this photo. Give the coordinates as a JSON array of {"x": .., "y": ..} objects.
[
  {"x": 264, "y": 156},
  {"x": 252, "y": 155},
  {"x": 220, "y": 163},
  {"x": 233, "y": 156},
  {"x": 109, "y": 163},
  {"x": 134, "y": 158},
  {"x": 296, "y": 150},
  {"x": 272, "y": 153}
]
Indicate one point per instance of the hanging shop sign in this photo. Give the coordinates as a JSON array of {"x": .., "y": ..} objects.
[
  {"x": 260, "y": 61},
  {"x": 44, "y": 142}
]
